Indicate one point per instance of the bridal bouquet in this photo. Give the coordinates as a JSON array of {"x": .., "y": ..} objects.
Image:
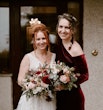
[
  {"x": 46, "y": 80},
  {"x": 37, "y": 82}
]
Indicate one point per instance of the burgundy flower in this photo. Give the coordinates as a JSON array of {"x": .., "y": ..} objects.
[
  {"x": 38, "y": 72},
  {"x": 45, "y": 72},
  {"x": 46, "y": 80}
]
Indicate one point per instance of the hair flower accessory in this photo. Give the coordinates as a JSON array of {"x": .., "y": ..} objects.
[{"x": 34, "y": 21}]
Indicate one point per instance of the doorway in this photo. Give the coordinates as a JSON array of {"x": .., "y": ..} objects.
[{"x": 20, "y": 14}]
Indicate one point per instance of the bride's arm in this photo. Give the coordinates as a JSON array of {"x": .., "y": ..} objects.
[{"x": 24, "y": 67}]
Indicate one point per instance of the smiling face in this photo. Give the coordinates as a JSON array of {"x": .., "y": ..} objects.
[
  {"x": 64, "y": 29},
  {"x": 40, "y": 37},
  {"x": 40, "y": 40}
]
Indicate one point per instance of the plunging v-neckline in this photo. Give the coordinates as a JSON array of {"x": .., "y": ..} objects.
[{"x": 33, "y": 55}]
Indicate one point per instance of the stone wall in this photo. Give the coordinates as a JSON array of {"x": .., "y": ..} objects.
[
  {"x": 6, "y": 92},
  {"x": 93, "y": 40}
]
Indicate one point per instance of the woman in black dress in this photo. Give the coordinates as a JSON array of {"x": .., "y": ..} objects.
[{"x": 69, "y": 51}]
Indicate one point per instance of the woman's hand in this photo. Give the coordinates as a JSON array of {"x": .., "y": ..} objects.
[{"x": 59, "y": 88}]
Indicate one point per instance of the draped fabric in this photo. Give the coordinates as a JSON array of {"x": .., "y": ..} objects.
[{"x": 74, "y": 99}]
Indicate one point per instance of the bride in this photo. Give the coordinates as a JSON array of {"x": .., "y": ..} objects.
[{"x": 38, "y": 56}]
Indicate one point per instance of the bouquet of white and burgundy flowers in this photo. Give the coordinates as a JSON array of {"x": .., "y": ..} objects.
[
  {"x": 63, "y": 76},
  {"x": 37, "y": 82},
  {"x": 45, "y": 80}
]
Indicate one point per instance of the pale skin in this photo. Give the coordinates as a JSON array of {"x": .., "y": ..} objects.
[
  {"x": 40, "y": 53},
  {"x": 65, "y": 33}
]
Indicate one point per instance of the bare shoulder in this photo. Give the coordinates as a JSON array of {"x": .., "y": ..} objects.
[
  {"x": 25, "y": 59},
  {"x": 51, "y": 53},
  {"x": 76, "y": 49}
]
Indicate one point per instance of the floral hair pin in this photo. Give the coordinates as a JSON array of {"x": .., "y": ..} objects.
[{"x": 34, "y": 21}]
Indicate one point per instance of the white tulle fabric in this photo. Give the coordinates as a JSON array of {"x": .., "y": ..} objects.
[{"x": 36, "y": 103}]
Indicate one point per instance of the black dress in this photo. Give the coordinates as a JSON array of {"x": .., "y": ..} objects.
[{"x": 74, "y": 99}]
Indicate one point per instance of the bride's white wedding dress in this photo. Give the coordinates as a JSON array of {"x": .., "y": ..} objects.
[{"x": 36, "y": 103}]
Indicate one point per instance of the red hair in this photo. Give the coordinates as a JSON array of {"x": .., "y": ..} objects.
[{"x": 41, "y": 27}]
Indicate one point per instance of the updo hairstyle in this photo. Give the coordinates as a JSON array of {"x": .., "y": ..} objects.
[{"x": 41, "y": 27}]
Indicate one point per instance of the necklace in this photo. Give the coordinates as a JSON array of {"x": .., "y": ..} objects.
[
  {"x": 67, "y": 45},
  {"x": 42, "y": 58},
  {"x": 70, "y": 46}
]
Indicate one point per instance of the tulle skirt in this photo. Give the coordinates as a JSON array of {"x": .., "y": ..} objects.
[{"x": 36, "y": 103}]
